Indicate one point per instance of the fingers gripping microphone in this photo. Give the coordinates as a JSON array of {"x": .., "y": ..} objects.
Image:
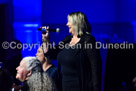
[{"x": 43, "y": 30}]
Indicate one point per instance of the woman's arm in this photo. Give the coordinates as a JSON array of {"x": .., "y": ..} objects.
[{"x": 95, "y": 61}]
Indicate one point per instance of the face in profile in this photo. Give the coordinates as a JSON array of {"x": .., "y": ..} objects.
[
  {"x": 71, "y": 27},
  {"x": 40, "y": 55},
  {"x": 21, "y": 71}
]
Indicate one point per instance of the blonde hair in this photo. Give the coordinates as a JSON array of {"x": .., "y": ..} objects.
[{"x": 80, "y": 22}]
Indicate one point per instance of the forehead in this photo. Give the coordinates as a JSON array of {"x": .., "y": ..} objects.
[
  {"x": 40, "y": 49},
  {"x": 22, "y": 63},
  {"x": 69, "y": 18}
]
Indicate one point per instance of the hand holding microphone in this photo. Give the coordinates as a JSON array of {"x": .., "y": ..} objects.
[
  {"x": 45, "y": 31},
  {"x": 45, "y": 38},
  {"x": 45, "y": 34}
]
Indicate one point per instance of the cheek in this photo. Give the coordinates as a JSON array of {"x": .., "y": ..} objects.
[
  {"x": 23, "y": 75},
  {"x": 38, "y": 56},
  {"x": 72, "y": 28},
  {"x": 20, "y": 74},
  {"x": 41, "y": 57}
]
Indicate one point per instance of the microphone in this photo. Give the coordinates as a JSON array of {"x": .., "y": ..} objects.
[{"x": 43, "y": 30}]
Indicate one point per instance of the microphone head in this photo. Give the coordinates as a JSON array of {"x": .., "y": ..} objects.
[
  {"x": 57, "y": 30},
  {"x": 50, "y": 30}
]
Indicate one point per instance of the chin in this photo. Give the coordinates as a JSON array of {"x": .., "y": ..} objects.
[
  {"x": 17, "y": 77},
  {"x": 70, "y": 32}
]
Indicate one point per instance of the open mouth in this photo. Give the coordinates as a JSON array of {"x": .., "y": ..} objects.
[{"x": 17, "y": 72}]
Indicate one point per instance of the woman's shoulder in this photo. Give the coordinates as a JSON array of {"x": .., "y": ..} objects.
[
  {"x": 88, "y": 37},
  {"x": 53, "y": 68}
]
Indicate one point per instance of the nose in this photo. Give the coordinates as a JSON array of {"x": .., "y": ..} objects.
[
  {"x": 67, "y": 23},
  {"x": 36, "y": 54}
]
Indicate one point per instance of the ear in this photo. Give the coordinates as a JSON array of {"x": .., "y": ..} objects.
[{"x": 29, "y": 73}]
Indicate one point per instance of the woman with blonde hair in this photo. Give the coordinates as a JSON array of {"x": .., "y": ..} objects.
[{"x": 80, "y": 64}]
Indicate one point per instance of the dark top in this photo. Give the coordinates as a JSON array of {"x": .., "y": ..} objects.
[
  {"x": 55, "y": 75},
  {"x": 81, "y": 67},
  {"x": 68, "y": 59},
  {"x": 24, "y": 87}
]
